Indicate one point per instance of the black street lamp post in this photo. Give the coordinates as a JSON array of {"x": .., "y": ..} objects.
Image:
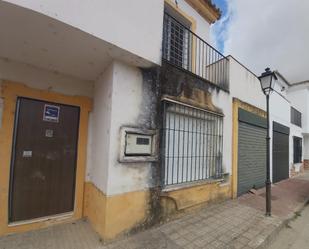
[{"x": 267, "y": 80}]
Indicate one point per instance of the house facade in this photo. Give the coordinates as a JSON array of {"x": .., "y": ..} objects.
[
  {"x": 287, "y": 131},
  {"x": 123, "y": 113},
  {"x": 297, "y": 94}
]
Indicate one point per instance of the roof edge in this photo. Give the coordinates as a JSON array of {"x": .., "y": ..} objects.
[
  {"x": 206, "y": 9},
  {"x": 283, "y": 78},
  {"x": 300, "y": 83}
]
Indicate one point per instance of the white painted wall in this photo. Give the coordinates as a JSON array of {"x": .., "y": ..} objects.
[
  {"x": 133, "y": 25},
  {"x": 99, "y": 133},
  {"x": 119, "y": 94},
  {"x": 279, "y": 108},
  {"x": 119, "y": 100},
  {"x": 245, "y": 86},
  {"x": 127, "y": 106},
  {"x": 280, "y": 112},
  {"x": 223, "y": 100},
  {"x": 298, "y": 132},
  {"x": 130, "y": 105},
  {"x": 299, "y": 96},
  {"x": 43, "y": 79}
]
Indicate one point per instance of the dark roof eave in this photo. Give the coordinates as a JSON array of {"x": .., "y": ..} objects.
[{"x": 214, "y": 8}]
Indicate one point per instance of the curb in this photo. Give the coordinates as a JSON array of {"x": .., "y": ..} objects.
[{"x": 268, "y": 241}]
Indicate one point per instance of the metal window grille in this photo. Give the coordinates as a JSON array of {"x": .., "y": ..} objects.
[
  {"x": 183, "y": 48},
  {"x": 192, "y": 144},
  {"x": 295, "y": 117},
  {"x": 297, "y": 144},
  {"x": 177, "y": 43}
]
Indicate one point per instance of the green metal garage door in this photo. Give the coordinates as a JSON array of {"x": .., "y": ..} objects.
[
  {"x": 251, "y": 152},
  {"x": 280, "y": 152}
]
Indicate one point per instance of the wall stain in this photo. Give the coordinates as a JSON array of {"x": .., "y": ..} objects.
[
  {"x": 171, "y": 82},
  {"x": 185, "y": 87}
]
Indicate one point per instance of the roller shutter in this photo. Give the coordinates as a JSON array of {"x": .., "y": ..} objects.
[
  {"x": 251, "y": 152},
  {"x": 280, "y": 152}
]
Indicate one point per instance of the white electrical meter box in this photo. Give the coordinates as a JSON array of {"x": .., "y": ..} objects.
[{"x": 138, "y": 145}]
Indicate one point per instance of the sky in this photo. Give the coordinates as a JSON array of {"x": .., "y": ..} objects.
[{"x": 264, "y": 33}]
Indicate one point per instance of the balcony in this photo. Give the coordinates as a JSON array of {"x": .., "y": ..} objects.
[{"x": 185, "y": 50}]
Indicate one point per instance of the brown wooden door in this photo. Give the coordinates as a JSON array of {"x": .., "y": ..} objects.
[{"x": 43, "y": 159}]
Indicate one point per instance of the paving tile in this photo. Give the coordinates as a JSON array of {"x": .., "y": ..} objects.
[
  {"x": 189, "y": 246},
  {"x": 174, "y": 236},
  {"x": 257, "y": 241},
  {"x": 237, "y": 245},
  {"x": 182, "y": 242},
  {"x": 229, "y": 225}
]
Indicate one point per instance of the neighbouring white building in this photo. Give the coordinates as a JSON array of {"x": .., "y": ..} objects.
[
  {"x": 297, "y": 93},
  {"x": 121, "y": 112}
]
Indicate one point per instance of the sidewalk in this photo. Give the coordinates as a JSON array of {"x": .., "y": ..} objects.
[
  {"x": 233, "y": 224},
  {"x": 227, "y": 225},
  {"x": 288, "y": 196}
]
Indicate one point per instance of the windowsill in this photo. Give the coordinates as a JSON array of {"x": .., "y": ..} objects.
[
  {"x": 296, "y": 125},
  {"x": 191, "y": 184}
]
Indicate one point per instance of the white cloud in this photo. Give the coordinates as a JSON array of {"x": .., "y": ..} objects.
[{"x": 263, "y": 33}]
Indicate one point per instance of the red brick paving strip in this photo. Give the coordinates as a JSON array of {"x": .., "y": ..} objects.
[{"x": 287, "y": 197}]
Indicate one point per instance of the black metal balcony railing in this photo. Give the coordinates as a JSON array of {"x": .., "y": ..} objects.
[{"x": 183, "y": 48}]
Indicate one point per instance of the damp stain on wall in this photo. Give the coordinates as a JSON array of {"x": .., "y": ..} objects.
[{"x": 184, "y": 87}]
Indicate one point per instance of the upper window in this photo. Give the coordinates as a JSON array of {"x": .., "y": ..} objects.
[
  {"x": 297, "y": 144},
  {"x": 178, "y": 44},
  {"x": 177, "y": 39},
  {"x": 295, "y": 117}
]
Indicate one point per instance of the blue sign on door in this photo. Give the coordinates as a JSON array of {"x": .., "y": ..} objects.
[{"x": 51, "y": 113}]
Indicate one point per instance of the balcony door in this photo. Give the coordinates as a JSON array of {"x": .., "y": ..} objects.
[{"x": 178, "y": 43}]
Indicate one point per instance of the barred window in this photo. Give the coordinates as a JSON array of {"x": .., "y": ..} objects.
[
  {"x": 295, "y": 117},
  {"x": 297, "y": 144},
  {"x": 193, "y": 142},
  {"x": 177, "y": 42}
]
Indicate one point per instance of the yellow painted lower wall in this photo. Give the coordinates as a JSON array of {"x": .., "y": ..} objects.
[
  {"x": 112, "y": 215},
  {"x": 189, "y": 197},
  {"x": 95, "y": 207}
]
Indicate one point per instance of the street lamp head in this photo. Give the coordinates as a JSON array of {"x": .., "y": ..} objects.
[{"x": 267, "y": 80}]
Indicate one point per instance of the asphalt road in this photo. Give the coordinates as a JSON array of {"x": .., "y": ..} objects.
[{"x": 295, "y": 235}]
